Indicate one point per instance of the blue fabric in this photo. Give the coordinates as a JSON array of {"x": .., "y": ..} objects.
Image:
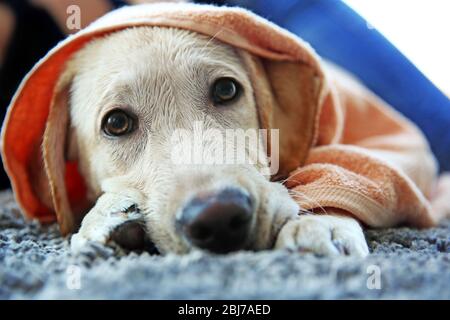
[
  {"x": 340, "y": 35},
  {"x": 118, "y": 3}
]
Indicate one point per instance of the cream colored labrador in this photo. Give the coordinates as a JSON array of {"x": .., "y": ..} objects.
[{"x": 130, "y": 92}]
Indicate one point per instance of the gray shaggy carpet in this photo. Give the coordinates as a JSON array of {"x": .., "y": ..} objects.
[{"x": 35, "y": 264}]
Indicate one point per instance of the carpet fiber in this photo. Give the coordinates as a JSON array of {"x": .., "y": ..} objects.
[{"x": 35, "y": 263}]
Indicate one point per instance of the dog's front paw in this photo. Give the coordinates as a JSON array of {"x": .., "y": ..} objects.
[
  {"x": 323, "y": 235},
  {"x": 100, "y": 224}
]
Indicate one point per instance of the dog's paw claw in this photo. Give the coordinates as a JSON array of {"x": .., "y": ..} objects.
[{"x": 342, "y": 249}]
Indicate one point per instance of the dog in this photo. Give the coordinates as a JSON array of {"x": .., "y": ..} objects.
[
  {"x": 122, "y": 96},
  {"x": 234, "y": 206}
]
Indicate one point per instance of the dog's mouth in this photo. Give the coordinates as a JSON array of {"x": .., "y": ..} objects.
[{"x": 133, "y": 236}]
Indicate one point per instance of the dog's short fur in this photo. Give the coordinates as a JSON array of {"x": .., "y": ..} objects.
[{"x": 163, "y": 76}]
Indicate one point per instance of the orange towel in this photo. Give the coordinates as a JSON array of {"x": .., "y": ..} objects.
[{"x": 340, "y": 146}]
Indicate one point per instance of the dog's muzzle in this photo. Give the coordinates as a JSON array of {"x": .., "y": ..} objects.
[{"x": 218, "y": 222}]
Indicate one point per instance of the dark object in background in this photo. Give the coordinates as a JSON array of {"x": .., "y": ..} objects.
[{"x": 34, "y": 34}]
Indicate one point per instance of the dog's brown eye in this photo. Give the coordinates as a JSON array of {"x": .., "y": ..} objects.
[
  {"x": 117, "y": 123},
  {"x": 225, "y": 90}
]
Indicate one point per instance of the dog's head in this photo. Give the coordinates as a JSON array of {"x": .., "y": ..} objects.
[{"x": 174, "y": 114}]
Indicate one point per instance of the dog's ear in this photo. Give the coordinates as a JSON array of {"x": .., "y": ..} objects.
[
  {"x": 66, "y": 185},
  {"x": 287, "y": 95}
]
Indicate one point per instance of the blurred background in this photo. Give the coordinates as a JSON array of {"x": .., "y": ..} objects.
[{"x": 420, "y": 29}]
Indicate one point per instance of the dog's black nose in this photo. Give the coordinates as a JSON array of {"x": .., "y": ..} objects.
[{"x": 218, "y": 222}]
